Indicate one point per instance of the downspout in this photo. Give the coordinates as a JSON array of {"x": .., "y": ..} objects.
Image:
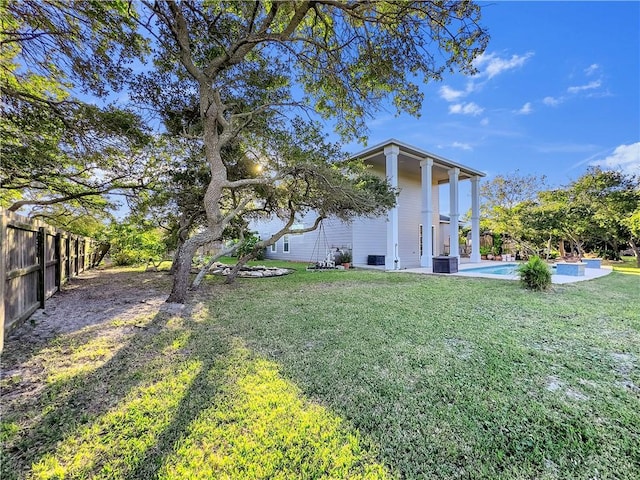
[{"x": 396, "y": 261}]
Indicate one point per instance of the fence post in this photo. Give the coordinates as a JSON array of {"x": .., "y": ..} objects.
[
  {"x": 3, "y": 279},
  {"x": 87, "y": 265},
  {"x": 91, "y": 254},
  {"x": 59, "y": 260},
  {"x": 42, "y": 259},
  {"x": 76, "y": 249}
]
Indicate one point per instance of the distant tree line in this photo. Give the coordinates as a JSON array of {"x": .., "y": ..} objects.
[{"x": 597, "y": 213}]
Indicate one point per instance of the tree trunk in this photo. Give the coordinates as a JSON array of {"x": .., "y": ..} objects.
[
  {"x": 182, "y": 273},
  {"x": 176, "y": 256},
  {"x": 183, "y": 269},
  {"x": 102, "y": 251},
  {"x": 241, "y": 263}
]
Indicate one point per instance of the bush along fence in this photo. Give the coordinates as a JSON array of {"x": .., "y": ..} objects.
[{"x": 36, "y": 260}]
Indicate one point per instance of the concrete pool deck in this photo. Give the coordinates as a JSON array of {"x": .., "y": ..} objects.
[{"x": 589, "y": 273}]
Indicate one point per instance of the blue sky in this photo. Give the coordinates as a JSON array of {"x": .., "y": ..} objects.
[{"x": 558, "y": 89}]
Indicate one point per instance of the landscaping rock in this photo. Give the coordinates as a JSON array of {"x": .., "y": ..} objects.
[{"x": 258, "y": 271}]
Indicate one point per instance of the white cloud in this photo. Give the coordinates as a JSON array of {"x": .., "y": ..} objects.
[
  {"x": 552, "y": 101},
  {"x": 463, "y": 146},
  {"x": 581, "y": 88},
  {"x": 449, "y": 94},
  {"x": 470, "y": 108},
  {"x": 625, "y": 158},
  {"x": 526, "y": 109},
  {"x": 484, "y": 122},
  {"x": 490, "y": 65},
  {"x": 591, "y": 69}
]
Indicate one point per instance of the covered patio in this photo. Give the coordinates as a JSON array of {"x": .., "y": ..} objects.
[{"x": 418, "y": 175}]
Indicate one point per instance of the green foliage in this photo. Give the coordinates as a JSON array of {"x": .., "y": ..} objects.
[
  {"x": 501, "y": 197},
  {"x": 345, "y": 256},
  {"x": 608, "y": 254},
  {"x": 61, "y": 155},
  {"x": 133, "y": 244},
  {"x": 535, "y": 274},
  {"x": 497, "y": 244},
  {"x": 248, "y": 246},
  {"x": 485, "y": 250},
  {"x": 593, "y": 213},
  {"x": 596, "y": 209}
]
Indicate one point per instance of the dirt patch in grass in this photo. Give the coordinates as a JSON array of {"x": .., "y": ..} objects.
[
  {"x": 92, "y": 298},
  {"x": 116, "y": 300}
]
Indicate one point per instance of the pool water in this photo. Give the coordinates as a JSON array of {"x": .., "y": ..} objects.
[{"x": 507, "y": 269}]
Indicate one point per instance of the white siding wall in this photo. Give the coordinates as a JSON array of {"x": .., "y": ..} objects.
[
  {"x": 365, "y": 236},
  {"x": 410, "y": 202},
  {"x": 369, "y": 238},
  {"x": 370, "y": 234},
  {"x": 410, "y": 207},
  {"x": 301, "y": 247}
]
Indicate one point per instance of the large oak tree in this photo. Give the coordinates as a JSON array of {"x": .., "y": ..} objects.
[{"x": 243, "y": 62}]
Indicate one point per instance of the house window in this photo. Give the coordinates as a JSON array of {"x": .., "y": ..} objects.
[
  {"x": 285, "y": 244},
  {"x": 420, "y": 239},
  {"x": 273, "y": 247}
]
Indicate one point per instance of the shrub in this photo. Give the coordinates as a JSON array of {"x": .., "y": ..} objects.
[
  {"x": 535, "y": 274},
  {"x": 609, "y": 254},
  {"x": 249, "y": 246},
  {"x": 133, "y": 244},
  {"x": 125, "y": 257},
  {"x": 497, "y": 244}
]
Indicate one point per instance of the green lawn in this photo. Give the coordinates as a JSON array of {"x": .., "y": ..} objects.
[
  {"x": 354, "y": 374},
  {"x": 627, "y": 265}
]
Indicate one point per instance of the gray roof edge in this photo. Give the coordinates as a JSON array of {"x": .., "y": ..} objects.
[{"x": 421, "y": 152}]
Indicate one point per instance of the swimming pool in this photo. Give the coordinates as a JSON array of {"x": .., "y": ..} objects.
[{"x": 507, "y": 269}]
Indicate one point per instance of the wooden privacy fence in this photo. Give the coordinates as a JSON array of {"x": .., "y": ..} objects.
[{"x": 35, "y": 261}]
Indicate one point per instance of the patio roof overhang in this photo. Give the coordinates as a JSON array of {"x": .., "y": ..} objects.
[{"x": 409, "y": 160}]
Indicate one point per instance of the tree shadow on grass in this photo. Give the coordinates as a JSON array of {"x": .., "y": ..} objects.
[
  {"x": 239, "y": 418},
  {"x": 68, "y": 405},
  {"x": 183, "y": 397}
]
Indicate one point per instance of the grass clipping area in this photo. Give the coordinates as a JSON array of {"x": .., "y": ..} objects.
[{"x": 341, "y": 375}]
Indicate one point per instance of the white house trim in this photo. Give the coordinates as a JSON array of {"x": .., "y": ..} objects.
[
  {"x": 427, "y": 211},
  {"x": 392, "y": 260},
  {"x": 454, "y": 248},
  {"x": 418, "y": 154}
]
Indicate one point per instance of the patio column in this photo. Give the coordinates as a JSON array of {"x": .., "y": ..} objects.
[
  {"x": 427, "y": 212},
  {"x": 392, "y": 259},
  {"x": 475, "y": 219},
  {"x": 454, "y": 250}
]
